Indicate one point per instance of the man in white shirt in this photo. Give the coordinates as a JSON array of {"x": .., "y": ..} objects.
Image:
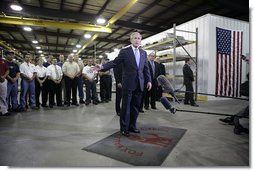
[
  {"x": 55, "y": 74},
  {"x": 89, "y": 74},
  {"x": 40, "y": 86},
  {"x": 71, "y": 71},
  {"x": 27, "y": 72},
  {"x": 80, "y": 79}
]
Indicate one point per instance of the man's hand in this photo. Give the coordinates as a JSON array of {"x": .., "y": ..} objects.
[
  {"x": 149, "y": 86},
  {"x": 119, "y": 85},
  {"x": 2, "y": 79},
  {"x": 97, "y": 67}
]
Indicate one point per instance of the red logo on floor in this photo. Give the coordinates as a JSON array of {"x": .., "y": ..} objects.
[{"x": 150, "y": 138}]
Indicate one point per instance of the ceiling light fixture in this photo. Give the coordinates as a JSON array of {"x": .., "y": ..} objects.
[
  {"x": 78, "y": 46},
  {"x": 38, "y": 47},
  {"x": 16, "y": 7},
  {"x": 27, "y": 28},
  {"x": 87, "y": 36},
  {"x": 35, "y": 41},
  {"x": 39, "y": 51},
  {"x": 74, "y": 50},
  {"x": 101, "y": 20}
]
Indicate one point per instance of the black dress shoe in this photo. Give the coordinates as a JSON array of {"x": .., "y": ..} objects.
[
  {"x": 34, "y": 107},
  {"x": 153, "y": 107},
  {"x": 125, "y": 133},
  {"x": 195, "y": 105},
  {"x": 6, "y": 114},
  {"x": 82, "y": 102},
  {"x": 146, "y": 108},
  {"x": 186, "y": 103},
  {"x": 118, "y": 113},
  {"x": 134, "y": 130},
  {"x": 141, "y": 111},
  {"x": 228, "y": 120},
  {"x": 239, "y": 129}
]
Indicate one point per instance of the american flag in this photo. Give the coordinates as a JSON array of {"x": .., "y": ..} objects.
[{"x": 228, "y": 62}]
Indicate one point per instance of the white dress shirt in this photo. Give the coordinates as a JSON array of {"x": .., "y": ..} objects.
[
  {"x": 41, "y": 71},
  {"x": 54, "y": 71},
  {"x": 89, "y": 72},
  {"x": 27, "y": 69}
]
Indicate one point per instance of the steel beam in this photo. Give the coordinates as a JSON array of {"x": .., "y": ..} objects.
[{"x": 52, "y": 24}]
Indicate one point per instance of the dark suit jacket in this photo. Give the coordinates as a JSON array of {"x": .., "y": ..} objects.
[
  {"x": 162, "y": 69},
  {"x": 187, "y": 75},
  {"x": 118, "y": 72},
  {"x": 133, "y": 76},
  {"x": 157, "y": 72}
]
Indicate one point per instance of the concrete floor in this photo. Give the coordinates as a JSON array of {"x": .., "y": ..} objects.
[{"x": 55, "y": 137}]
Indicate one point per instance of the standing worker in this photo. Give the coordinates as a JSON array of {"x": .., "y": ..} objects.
[{"x": 188, "y": 79}]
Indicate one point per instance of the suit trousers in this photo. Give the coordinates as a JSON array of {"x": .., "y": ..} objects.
[
  {"x": 150, "y": 96},
  {"x": 40, "y": 90},
  {"x": 105, "y": 87},
  {"x": 45, "y": 92},
  {"x": 118, "y": 99},
  {"x": 131, "y": 100},
  {"x": 188, "y": 94},
  {"x": 55, "y": 89},
  {"x": 71, "y": 89}
]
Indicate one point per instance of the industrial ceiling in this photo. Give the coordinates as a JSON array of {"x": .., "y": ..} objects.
[{"x": 59, "y": 25}]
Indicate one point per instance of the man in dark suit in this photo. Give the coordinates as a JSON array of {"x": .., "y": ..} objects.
[
  {"x": 135, "y": 75},
  {"x": 118, "y": 77},
  {"x": 150, "y": 96},
  {"x": 188, "y": 79},
  {"x": 162, "y": 72}
]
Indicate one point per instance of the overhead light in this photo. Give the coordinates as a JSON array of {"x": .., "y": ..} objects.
[
  {"x": 78, "y": 46},
  {"x": 101, "y": 20},
  {"x": 27, "y": 28},
  {"x": 87, "y": 36},
  {"x": 72, "y": 54},
  {"x": 39, "y": 51},
  {"x": 37, "y": 47},
  {"x": 74, "y": 50},
  {"x": 35, "y": 41},
  {"x": 42, "y": 54},
  {"x": 16, "y": 7},
  {"x": 100, "y": 56}
]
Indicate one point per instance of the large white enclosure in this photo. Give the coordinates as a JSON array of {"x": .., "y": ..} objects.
[{"x": 206, "y": 47}]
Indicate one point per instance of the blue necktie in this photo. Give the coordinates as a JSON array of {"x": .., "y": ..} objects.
[{"x": 137, "y": 56}]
